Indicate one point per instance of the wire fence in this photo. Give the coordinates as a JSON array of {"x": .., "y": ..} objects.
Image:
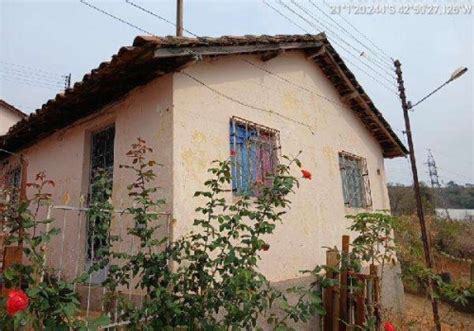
[{"x": 71, "y": 253}]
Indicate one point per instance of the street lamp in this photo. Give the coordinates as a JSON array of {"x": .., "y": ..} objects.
[
  {"x": 455, "y": 75},
  {"x": 432, "y": 286}
]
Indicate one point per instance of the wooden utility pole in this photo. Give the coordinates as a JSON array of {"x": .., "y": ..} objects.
[
  {"x": 179, "y": 18},
  {"x": 432, "y": 287}
]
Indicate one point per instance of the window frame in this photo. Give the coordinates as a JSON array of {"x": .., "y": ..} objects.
[
  {"x": 365, "y": 191},
  {"x": 240, "y": 188},
  {"x": 90, "y": 241},
  {"x": 12, "y": 182}
]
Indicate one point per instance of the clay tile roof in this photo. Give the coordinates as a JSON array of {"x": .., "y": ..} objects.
[{"x": 150, "y": 57}]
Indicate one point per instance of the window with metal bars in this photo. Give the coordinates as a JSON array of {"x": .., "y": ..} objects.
[
  {"x": 355, "y": 181},
  {"x": 254, "y": 155},
  {"x": 12, "y": 182},
  {"x": 101, "y": 164}
]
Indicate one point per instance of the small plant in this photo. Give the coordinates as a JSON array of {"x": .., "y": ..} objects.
[{"x": 374, "y": 243}]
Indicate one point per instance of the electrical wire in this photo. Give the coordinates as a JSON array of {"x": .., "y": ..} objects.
[
  {"x": 456, "y": 174},
  {"x": 299, "y": 26},
  {"x": 359, "y": 53},
  {"x": 29, "y": 83},
  {"x": 390, "y": 89},
  {"x": 30, "y": 76},
  {"x": 158, "y": 16},
  {"x": 335, "y": 35},
  {"x": 28, "y": 68},
  {"x": 225, "y": 96},
  {"x": 31, "y": 80},
  {"x": 342, "y": 28},
  {"x": 286, "y": 17},
  {"x": 319, "y": 29},
  {"x": 362, "y": 34},
  {"x": 116, "y": 17}
]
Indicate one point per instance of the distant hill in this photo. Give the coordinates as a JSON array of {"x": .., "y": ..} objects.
[{"x": 452, "y": 195}]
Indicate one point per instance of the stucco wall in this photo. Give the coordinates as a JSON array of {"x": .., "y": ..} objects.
[
  {"x": 144, "y": 112},
  {"x": 7, "y": 119},
  {"x": 201, "y": 134}
]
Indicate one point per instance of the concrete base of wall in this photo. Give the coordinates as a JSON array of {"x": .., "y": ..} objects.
[
  {"x": 311, "y": 325},
  {"x": 393, "y": 295}
]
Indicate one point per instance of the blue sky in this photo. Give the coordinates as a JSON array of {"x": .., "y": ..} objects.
[{"x": 53, "y": 38}]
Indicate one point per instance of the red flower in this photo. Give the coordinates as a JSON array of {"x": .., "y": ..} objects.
[
  {"x": 265, "y": 247},
  {"x": 232, "y": 153},
  {"x": 388, "y": 326},
  {"x": 306, "y": 174},
  {"x": 17, "y": 301}
]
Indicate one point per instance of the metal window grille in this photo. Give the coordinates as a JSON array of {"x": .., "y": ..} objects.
[
  {"x": 254, "y": 149},
  {"x": 355, "y": 181},
  {"x": 102, "y": 159},
  {"x": 13, "y": 182}
]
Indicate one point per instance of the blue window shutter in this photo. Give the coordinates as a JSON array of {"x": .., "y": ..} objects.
[{"x": 244, "y": 168}]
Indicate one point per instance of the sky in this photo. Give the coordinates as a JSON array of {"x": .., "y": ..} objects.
[{"x": 41, "y": 41}]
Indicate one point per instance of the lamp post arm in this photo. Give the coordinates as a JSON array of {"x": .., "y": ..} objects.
[{"x": 430, "y": 94}]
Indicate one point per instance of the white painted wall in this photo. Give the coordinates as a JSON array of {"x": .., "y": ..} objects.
[
  {"x": 7, "y": 119},
  {"x": 201, "y": 134}
]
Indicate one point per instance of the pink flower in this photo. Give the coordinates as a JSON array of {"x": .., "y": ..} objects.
[
  {"x": 306, "y": 174},
  {"x": 17, "y": 301},
  {"x": 232, "y": 153},
  {"x": 388, "y": 326}
]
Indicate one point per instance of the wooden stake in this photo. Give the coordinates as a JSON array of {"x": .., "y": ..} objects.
[
  {"x": 331, "y": 261},
  {"x": 343, "y": 287}
]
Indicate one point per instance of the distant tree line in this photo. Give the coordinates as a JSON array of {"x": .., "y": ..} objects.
[{"x": 402, "y": 201}]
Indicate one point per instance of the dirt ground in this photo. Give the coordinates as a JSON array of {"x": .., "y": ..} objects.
[{"x": 419, "y": 316}]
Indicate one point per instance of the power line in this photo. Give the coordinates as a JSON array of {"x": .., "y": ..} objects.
[
  {"x": 30, "y": 79},
  {"x": 28, "y": 68},
  {"x": 350, "y": 45},
  {"x": 157, "y": 16},
  {"x": 382, "y": 58},
  {"x": 371, "y": 76},
  {"x": 225, "y": 96},
  {"x": 30, "y": 76},
  {"x": 286, "y": 17},
  {"x": 29, "y": 83},
  {"x": 116, "y": 17},
  {"x": 319, "y": 29},
  {"x": 299, "y": 26},
  {"x": 456, "y": 173},
  {"x": 362, "y": 34},
  {"x": 32, "y": 73},
  {"x": 447, "y": 157},
  {"x": 358, "y": 52}
]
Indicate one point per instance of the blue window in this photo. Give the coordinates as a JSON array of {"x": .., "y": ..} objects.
[{"x": 254, "y": 155}]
